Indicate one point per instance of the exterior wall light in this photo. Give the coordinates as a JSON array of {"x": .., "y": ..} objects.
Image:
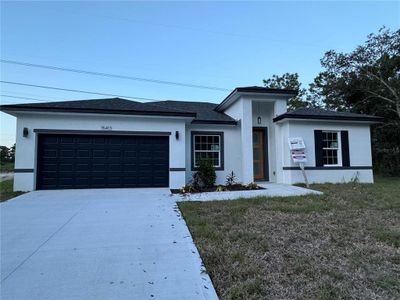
[
  {"x": 259, "y": 120},
  {"x": 177, "y": 135},
  {"x": 25, "y": 132}
]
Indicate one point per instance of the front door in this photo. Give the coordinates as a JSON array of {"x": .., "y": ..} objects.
[{"x": 259, "y": 154}]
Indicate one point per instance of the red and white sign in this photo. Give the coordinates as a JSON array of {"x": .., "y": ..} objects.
[
  {"x": 299, "y": 156},
  {"x": 298, "y": 151}
]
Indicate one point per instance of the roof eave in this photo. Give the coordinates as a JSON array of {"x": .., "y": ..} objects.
[
  {"x": 366, "y": 119},
  {"x": 10, "y": 109},
  {"x": 236, "y": 93},
  {"x": 214, "y": 122}
]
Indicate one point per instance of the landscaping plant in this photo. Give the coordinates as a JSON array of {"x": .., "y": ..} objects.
[
  {"x": 206, "y": 173},
  {"x": 231, "y": 179}
]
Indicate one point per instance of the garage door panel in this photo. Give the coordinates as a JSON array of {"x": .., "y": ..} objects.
[
  {"x": 84, "y": 140},
  {"x": 66, "y": 167},
  {"x": 99, "y": 167},
  {"x": 83, "y": 161},
  {"x": 65, "y": 140},
  {"x": 67, "y": 153},
  {"x": 50, "y": 181},
  {"x": 49, "y": 167},
  {"x": 115, "y": 153},
  {"x": 50, "y": 153},
  {"x": 115, "y": 168},
  {"x": 50, "y": 140},
  {"x": 83, "y": 153},
  {"x": 99, "y": 140},
  {"x": 99, "y": 153}
]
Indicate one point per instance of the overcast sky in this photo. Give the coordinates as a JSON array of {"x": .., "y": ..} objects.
[{"x": 222, "y": 44}]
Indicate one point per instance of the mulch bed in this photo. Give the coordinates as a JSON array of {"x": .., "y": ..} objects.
[{"x": 227, "y": 188}]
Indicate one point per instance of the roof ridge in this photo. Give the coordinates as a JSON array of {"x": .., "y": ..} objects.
[
  {"x": 173, "y": 109},
  {"x": 187, "y": 101}
]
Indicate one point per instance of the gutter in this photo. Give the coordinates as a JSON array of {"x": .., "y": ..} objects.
[
  {"x": 371, "y": 119},
  {"x": 12, "y": 108}
]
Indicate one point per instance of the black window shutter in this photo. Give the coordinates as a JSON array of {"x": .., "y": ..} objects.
[
  {"x": 319, "y": 162},
  {"x": 344, "y": 135}
]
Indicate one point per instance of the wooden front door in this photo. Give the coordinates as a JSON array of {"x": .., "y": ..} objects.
[{"x": 259, "y": 154}]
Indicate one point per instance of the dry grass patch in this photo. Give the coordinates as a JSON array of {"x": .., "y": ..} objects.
[
  {"x": 6, "y": 190},
  {"x": 344, "y": 244}
]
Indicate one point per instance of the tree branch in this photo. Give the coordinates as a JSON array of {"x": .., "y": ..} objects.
[
  {"x": 381, "y": 97},
  {"x": 384, "y": 83}
]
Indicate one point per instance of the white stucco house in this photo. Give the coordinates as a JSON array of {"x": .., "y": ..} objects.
[{"x": 107, "y": 143}]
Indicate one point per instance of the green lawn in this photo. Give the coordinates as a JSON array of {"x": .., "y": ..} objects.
[
  {"x": 344, "y": 244},
  {"x": 6, "y": 167},
  {"x": 6, "y": 190}
]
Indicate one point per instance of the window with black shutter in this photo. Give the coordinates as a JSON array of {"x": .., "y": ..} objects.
[{"x": 331, "y": 148}]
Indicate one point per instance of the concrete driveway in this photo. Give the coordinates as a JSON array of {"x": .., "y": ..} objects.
[{"x": 99, "y": 244}]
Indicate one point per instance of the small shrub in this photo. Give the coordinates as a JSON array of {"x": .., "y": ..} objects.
[
  {"x": 252, "y": 186},
  {"x": 220, "y": 188},
  {"x": 231, "y": 179},
  {"x": 187, "y": 189},
  {"x": 206, "y": 173},
  {"x": 355, "y": 178}
]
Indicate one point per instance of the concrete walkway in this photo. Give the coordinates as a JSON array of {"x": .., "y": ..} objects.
[
  {"x": 6, "y": 176},
  {"x": 99, "y": 244},
  {"x": 271, "y": 190}
]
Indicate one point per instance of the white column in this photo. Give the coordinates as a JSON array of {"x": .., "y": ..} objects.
[
  {"x": 177, "y": 158},
  {"x": 25, "y": 156},
  {"x": 247, "y": 141},
  {"x": 281, "y": 135}
]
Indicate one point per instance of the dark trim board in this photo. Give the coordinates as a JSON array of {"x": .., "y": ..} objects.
[
  {"x": 10, "y": 108},
  {"x": 214, "y": 122},
  {"x": 24, "y": 170},
  {"x": 177, "y": 169},
  {"x": 321, "y": 117},
  {"x": 220, "y": 133},
  {"x": 266, "y": 159},
  {"x": 102, "y": 132},
  {"x": 331, "y": 168}
]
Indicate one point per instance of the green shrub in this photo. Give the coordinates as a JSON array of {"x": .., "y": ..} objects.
[
  {"x": 387, "y": 161},
  {"x": 206, "y": 173}
]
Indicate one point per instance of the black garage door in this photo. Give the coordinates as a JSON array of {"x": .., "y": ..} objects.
[{"x": 86, "y": 161}]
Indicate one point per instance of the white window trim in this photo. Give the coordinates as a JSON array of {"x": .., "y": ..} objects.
[
  {"x": 339, "y": 149},
  {"x": 205, "y": 151}
]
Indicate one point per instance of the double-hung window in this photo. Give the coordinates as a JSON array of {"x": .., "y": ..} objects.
[
  {"x": 207, "y": 145},
  {"x": 331, "y": 148}
]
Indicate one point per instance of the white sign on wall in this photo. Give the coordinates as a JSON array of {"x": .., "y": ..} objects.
[{"x": 296, "y": 143}]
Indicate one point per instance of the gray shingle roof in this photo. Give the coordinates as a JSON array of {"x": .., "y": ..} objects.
[
  {"x": 323, "y": 114},
  {"x": 109, "y": 105},
  {"x": 258, "y": 90},
  {"x": 205, "y": 112},
  {"x": 202, "y": 112}
]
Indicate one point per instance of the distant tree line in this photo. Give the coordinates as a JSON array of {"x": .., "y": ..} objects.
[
  {"x": 7, "y": 154},
  {"x": 366, "y": 81}
]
